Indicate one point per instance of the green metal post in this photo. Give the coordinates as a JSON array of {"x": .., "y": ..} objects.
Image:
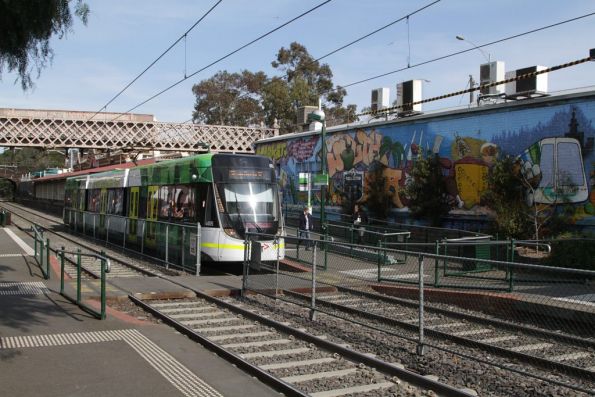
[
  {"x": 78, "y": 276},
  {"x": 47, "y": 259},
  {"x": 511, "y": 275},
  {"x": 103, "y": 264},
  {"x": 378, "y": 260},
  {"x": 62, "y": 271},
  {"x": 323, "y": 170},
  {"x": 35, "y": 244},
  {"x": 41, "y": 255},
  {"x": 351, "y": 241},
  {"x": 325, "y": 248},
  {"x": 436, "y": 270}
]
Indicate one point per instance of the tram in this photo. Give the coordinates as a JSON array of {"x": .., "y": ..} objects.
[{"x": 167, "y": 208}]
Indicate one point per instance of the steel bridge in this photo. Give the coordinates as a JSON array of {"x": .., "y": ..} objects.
[{"x": 54, "y": 129}]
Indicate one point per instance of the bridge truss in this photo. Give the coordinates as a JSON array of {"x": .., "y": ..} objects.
[{"x": 20, "y": 129}]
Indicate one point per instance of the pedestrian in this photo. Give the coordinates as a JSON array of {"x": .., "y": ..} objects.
[
  {"x": 305, "y": 225},
  {"x": 359, "y": 220}
]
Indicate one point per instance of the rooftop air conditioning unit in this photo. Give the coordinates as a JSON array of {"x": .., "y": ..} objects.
[
  {"x": 407, "y": 93},
  {"x": 302, "y": 114},
  {"x": 379, "y": 99},
  {"x": 536, "y": 84},
  {"x": 490, "y": 73}
]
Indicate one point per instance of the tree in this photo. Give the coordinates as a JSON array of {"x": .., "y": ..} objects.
[
  {"x": 25, "y": 31},
  {"x": 308, "y": 80},
  {"x": 378, "y": 197},
  {"x": 427, "y": 190},
  {"x": 248, "y": 98},
  {"x": 506, "y": 196},
  {"x": 229, "y": 98}
]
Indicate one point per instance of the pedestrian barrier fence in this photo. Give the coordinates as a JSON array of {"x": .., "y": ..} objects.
[
  {"x": 42, "y": 253},
  {"x": 177, "y": 245},
  {"x": 105, "y": 267}
]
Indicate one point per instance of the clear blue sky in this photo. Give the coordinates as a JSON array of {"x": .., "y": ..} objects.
[{"x": 92, "y": 63}]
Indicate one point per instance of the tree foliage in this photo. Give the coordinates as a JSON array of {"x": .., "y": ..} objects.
[
  {"x": 427, "y": 190},
  {"x": 25, "y": 31},
  {"x": 229, "y": 98},
  {"x": 378, "y": 197},
  {"x": 249, "y": 98},
  {"x": 506, "y": 196}
]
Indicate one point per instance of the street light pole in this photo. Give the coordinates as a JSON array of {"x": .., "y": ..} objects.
[
  {"x": 318, "y": 115},
  {"x": 487, "y": 57}
]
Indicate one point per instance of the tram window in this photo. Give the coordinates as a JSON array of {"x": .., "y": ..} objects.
[
  {"x": 205, "y": 204},
  {"x": 93, "y": 200},
  {"x": 142, "y": 203},
  {"x": 570, "y": 170},
  {"x": 547, "y": 166},
  {"x": 182, "y": 203},
  {"x": 115, "y": 201},
  {"x": 165, "y": 201}
]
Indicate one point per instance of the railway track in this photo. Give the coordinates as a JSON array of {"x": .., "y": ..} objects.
[
  {"x": 121, "y": 264},
  {"x": 565, "y": 360},
  {"x": 292, "y": 360}
]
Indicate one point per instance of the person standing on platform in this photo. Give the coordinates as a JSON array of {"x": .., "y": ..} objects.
[
  {"x": 359, "y": 220},
  {"x": 305, "y": 225}
]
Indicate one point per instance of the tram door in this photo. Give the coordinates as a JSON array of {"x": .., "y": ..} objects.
[
  {"x": 102, "y": 210},
  {"x": 152, "y": 213},
  {"x": 133, "y": 214}
]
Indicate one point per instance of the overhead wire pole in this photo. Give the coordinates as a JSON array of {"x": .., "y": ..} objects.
[
  {"x": 183, "y": 36},
  {"x": 224, "y": 57}
]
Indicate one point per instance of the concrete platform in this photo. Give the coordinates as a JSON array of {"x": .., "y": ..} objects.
[{"x": 50, "y": 347}]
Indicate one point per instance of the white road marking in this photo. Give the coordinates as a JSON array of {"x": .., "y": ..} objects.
[{"x": 28, "y": 250}]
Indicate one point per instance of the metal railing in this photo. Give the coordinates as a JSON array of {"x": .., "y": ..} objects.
[
  {"x": 41, "y": 252},
  {"x": 177, "y": 245},
  {"x": 105, "y": 267}
]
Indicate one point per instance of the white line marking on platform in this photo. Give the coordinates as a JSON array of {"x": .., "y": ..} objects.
[
  {"x": 10, "y": 255},
  {"x": 23, "y": 288},
  {"x": 587, "y": 299},
  {"x": 28, "y": 250},
  {"x": 173, "y": 371}
]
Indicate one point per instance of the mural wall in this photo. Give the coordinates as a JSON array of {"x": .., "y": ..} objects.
[{"x": 552, "y": 141}]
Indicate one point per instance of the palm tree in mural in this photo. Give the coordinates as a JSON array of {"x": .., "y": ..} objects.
[{"x": 394, "y": 150}]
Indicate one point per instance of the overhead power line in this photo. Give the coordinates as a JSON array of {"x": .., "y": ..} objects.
[
  {"x": 405, "y": 17},
  {"x": 470, "y": 49},
  {"x": 183, "y": 36},
  {"x": 482, "y": 86},
  {"x": 225, "y": 57}
]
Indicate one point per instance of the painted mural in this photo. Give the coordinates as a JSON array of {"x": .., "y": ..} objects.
[{"x": 553, "y": 145}]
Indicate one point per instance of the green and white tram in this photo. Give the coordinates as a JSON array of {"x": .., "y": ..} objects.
[{"x": 157, "y": 208}]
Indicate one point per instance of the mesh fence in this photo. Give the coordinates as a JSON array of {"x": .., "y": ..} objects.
[{"x": 470, "y": 288}]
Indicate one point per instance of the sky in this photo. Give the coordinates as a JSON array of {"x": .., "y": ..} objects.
[{"x": 93, "y": 63}]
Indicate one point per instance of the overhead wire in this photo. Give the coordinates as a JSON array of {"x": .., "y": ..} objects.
[
  {"x": 224, "y": 57},
  {"x": 481, "y": 86},
  {"x": 183, "y": 36},
  {"x": 405, "y": 17},
  {"x": 469, "y": 49}
]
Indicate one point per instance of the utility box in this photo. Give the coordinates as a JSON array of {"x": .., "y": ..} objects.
[
  {"x": 407, "y": 93},
  {"x": 534, "y": 85},
  {"x": 380, "y": 99},
  {"x": 490, "y": 73}
]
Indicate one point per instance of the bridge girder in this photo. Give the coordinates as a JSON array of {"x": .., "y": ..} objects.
[{"x": 54, "y": 133}]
